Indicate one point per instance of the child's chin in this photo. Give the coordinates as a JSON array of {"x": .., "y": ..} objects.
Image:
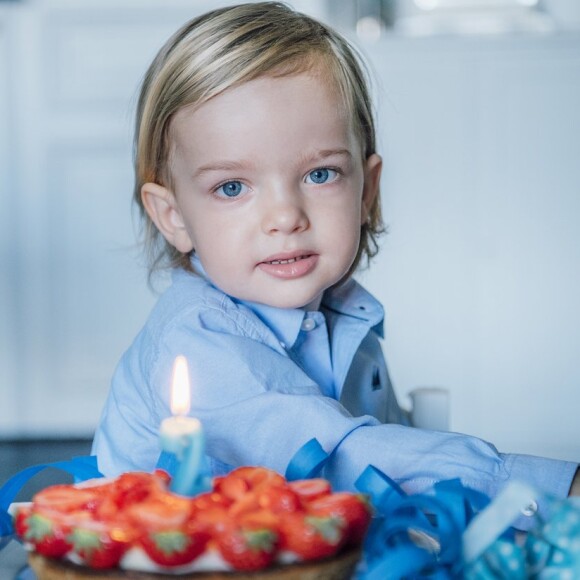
[{"x": 291, "y": 302}]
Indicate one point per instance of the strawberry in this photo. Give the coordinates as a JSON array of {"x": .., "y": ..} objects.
[
  {"x": 247, "y": 549},
  {"x": 101, "y": 544},
  {"x": 175, "y": 546},
  {"x": 161, "y": 511},
  {"x": 67, "y": 498},
  {"x": 280, "y": 499},
  {"x": 353, "y": 509},
  {"x": 243, "y": 479},
  {"x": 47, "y": 531},
  {"x": 310, "y": 489},
  {"x": 21, "y": 521},
  {"x": 163, "y": 477},
  {"x": 210, "y": 510},
  {"x": 209, "y": 500},
  {"x": 170, "y": 537},
  {"x": 312, "y": 537},
  {"x": 212, "y": 520},
  {"x": 260, "y": 477},
  {"x": 260, "y": 519},
  {"x": 231, "y": 486},
  {"x": 135, "y": 487}
]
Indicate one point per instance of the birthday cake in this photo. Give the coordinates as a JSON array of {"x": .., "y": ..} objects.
[{"x": 252, "y": 523}]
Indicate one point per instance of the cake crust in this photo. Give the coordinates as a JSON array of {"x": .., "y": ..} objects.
[{"x": 340, "y": 567}]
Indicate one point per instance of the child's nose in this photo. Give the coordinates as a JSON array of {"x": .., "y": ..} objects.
[{"x": 284, "y": 213}]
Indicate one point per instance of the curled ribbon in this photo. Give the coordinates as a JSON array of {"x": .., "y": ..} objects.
[
  {"x": 418, "y": 535},
  {"x": 81, "y": 468},
  {"x": 456, "y": 532},
  {"x": 307, "y": 462}
]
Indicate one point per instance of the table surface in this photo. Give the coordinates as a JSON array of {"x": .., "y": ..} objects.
[
  {"x": 17, "y": 455},
  {"x": 12, "y": 561}
]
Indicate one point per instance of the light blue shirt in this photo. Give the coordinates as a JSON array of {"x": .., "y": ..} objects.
[{"x": 267, "y": 380}]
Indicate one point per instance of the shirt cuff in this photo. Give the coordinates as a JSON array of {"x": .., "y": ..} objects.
[{"x": 551, "y": 477}]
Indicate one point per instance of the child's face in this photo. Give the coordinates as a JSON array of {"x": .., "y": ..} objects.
[{"x": 270, "y": 190}]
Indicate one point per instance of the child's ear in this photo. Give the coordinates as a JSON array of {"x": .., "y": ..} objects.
[
  {"x": 161, "y": 206},
  {"x": 372, "y": 173}
]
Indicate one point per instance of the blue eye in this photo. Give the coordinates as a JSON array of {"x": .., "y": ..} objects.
[
  {"x": 231, "y": 189},
  {"x": 321, "y": 175}
]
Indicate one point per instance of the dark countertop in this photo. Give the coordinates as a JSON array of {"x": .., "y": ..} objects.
[{"x": 16, "y": 456}]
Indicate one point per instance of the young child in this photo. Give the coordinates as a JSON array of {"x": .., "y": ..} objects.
[{"x": 258, "y": 179}]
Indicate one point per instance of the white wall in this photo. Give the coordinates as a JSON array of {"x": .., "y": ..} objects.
[{"x": 480, "y": 273}]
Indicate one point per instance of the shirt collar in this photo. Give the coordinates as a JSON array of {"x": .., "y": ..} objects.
[
  {"x": 351, "y": 299},
  {"x": 348, "y": 299},
  {"x": 285, "y": 323}
]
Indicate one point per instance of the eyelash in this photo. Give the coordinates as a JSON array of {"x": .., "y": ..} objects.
[
  {"x": 225, "y": 197},
  {"x": 336, "y": 170},
  {"x": 215, "y": 191}
]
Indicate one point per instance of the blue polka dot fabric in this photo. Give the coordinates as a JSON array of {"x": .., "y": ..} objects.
[{"x": 551, "y": 550}]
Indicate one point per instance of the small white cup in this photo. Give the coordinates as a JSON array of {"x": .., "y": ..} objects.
[{"x": 430, "y": 408}]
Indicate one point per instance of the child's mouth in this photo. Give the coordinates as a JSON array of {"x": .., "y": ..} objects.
[
  {"x": 288, "y": 261},
  {"x": 291, "y": 267}
]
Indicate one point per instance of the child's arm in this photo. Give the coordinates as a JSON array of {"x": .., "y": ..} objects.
[{"x": 258, "y": 406}]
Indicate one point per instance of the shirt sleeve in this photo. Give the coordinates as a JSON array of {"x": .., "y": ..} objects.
[{"x": 258, "y": 408}]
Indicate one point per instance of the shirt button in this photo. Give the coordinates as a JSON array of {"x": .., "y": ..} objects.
[
  {"x": 308, "y": 324},
  {"x": 531, "y": 509}
]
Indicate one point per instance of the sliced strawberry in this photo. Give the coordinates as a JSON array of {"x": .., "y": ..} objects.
[
  {"x": 245, "y": 504},
  {"x": 239, "y": 481},
  {"x": 312, "y": 537},
  {"x": 247, "y": 549},
  {"x": 280, "y": 499},
  {"x": 353, "y": 509},
  {"x": 211, "y": 511},
  {"x": 67, "y": 498},
  {"x": 160, "y": 512},
  {"x": 209, "y": 500},
  {"x": 212, "y": 520},
  {"x": 260, "y": 477},
  {"x": 101, "y": 544},
  {"x": 175, "y": 547},
  {"x": 135, "y": 487},
  {"x": 163, "y": 476},
  {"x": 261, "y": 519},
  {"x": 231, "y": 486},
  {"x": 310, "y": 489}
]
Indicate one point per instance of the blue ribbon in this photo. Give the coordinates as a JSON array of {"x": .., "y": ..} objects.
[
  {"x": 390, "y": 552},
  {"x": 168, "y": 462},
  {"x": 307, "y": 462},
  {"x": 81, "y": 468},
  {"x": 413, "y": 536}
]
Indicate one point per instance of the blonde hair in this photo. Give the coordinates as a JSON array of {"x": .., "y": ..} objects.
[{"x": 224, "y": 48}]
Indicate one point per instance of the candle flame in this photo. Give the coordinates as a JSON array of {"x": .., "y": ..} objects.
[{"x": 180, "y": 389}]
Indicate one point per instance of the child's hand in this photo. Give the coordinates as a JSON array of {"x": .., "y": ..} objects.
[{"x": 575, "y": 487}]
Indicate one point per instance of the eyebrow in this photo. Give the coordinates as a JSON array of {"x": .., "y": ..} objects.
[
  {"x": 221, "y": 166},
  {"x": 241, "y": 165},
  {"x": 325, "y": 153}
]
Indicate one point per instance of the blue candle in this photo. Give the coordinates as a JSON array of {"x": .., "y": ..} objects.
[{"x": 183, "y": 435}]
